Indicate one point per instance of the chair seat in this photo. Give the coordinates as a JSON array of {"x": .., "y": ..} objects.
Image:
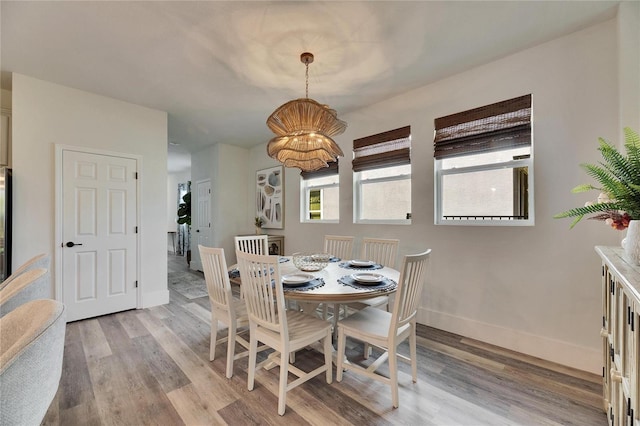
[
  {"x": 303, "y": 330},
  {"x": 375, "y": 302},
  {"x": 370, "y": 323}
]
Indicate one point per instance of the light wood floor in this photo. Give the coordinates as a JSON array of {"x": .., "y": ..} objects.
[{"x": 151, "y": 367}]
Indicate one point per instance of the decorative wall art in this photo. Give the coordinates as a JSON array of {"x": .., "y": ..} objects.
[{"x": 270, "y": 197}]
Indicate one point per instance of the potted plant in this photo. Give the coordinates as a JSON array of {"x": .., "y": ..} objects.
[
  {"x": 618, "y": 177},
  {"x": 259, "y": 222},
  {"x": 184, "y": 218}
]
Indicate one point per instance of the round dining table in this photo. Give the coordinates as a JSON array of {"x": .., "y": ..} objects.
[{"x": 334, "y": 290}]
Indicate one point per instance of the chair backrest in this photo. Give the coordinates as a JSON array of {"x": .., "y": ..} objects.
[
  {"x": 31, "y": 351},
  {"x": 409, "y": 292},
  {"x": 261, "y": 286},
  {"x": 382, "y": 251},
  {"x": 254, "y": 244},
  {"x": 28, "y": 286},
  {"x": 339, "y": 246},
  {"x": 214, "y": 265},
  {"x": 39, "y": 261}
]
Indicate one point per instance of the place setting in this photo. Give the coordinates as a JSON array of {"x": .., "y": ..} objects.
[
  {"x": 363, "y": 265},
  {"x": 367, "y": 280},
  {"x": 300, "y": 281}
]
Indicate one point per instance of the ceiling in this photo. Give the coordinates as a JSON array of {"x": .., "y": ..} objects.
[{"x": 219, "y": 68}]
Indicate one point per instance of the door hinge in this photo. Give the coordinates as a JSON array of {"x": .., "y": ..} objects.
[
  {"x": 136, "y": 174},
  {"x": 602, "y": 371},
  {"x": 136, "y": 284},
  {"x": 603, "y": 270},
  {"x": 136, "y": 229},
  {"x": 604, "y": 322}
]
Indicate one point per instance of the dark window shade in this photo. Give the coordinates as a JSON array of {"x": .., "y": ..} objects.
[
  {"x": 392, "y": 148},
  {"x": 325, "y": 171},
  {"x": 494, "y": 127}
]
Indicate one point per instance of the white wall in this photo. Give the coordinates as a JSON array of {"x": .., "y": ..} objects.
[
  {"x": 532, "y": 289},
  {"x": 226, "y": 167},
  {"x": 629, "y": 65},
  {"x": 45, "y": 114}
]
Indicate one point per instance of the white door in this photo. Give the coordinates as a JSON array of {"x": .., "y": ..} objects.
[
  {"x": 99, "y": 231},
  {"x": 202, "y": 218}
]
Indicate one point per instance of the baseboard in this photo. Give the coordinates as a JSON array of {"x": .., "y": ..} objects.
[
  {"x": 582, "y": 358},
  {"x": 155, "y": 298}
]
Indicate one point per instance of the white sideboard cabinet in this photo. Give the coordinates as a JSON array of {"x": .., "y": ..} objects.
[{"x": 620, "y": 337}]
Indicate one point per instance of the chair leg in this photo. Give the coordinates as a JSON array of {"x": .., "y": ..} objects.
[
  {"x": 367, "y": 350},
  {"x": 253, "y": 350},
  {"x": 328, "y": 350},
  {"x": 214, "y": 337},
  {"x": 282, "y": 386},
  {"x": 231, "y": 348},
  {"x": 413, "y": 353},
  {"x": 393, "y": 375},
  {"x": 341, "y": 353}
]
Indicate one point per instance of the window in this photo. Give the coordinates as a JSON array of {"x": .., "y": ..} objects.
[
  {"x": 382, "y": 177},
  {"x": 484, "y": 165},
  {"x": 320, "y": 195}
]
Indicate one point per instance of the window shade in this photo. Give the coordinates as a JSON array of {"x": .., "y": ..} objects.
[
  {"x": 494, "y": 127},
  {"x": 325, "y": 171},
  {"x": 392, "y": 148}
]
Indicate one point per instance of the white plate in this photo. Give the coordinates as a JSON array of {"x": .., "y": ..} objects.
[
  {"x": 368, "y": 278},
  {"x": 298, "y": 278},
  {"x": 361, "y": 263}
]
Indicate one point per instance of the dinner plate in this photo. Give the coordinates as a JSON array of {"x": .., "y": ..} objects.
[
  {"x": 297, "y": 278},
  {"x": 361, "y": 263},
  {"x": 368, "y": 278}
]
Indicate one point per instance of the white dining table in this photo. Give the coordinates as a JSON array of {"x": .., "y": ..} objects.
[{"x": 333, "y": 291}]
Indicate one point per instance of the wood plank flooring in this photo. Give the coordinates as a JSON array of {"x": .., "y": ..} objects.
[{"x": 151, "y": 367}]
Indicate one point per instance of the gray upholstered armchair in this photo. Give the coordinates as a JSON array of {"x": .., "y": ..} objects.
[
  {"x": 31, "y": 349},
  {"x": 39, "y": 261},
  {"x": 28, "y": 286}
]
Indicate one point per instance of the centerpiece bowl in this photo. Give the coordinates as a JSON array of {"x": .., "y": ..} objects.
[{"x": 311, "y": 262}]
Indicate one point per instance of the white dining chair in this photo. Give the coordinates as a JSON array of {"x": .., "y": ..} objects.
[
  {"x": 339, "y": 246},
  {"x": 285, "y": 331},
  {"x": 387, "y": 330},
  {"x": 384, "y": 252},
  {"x": 255, "y": 244},
  {"x": 224, "y": 307},
  {"x": 39, "y": 261}
]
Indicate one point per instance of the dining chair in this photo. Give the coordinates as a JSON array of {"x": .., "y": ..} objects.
[
  {"x": 28, "y": 286},
  {"x": 341, "y": 247},
  {"x": 224, "y": 307},
  {"x": 39, "y": 261},
  {"x": 387, "y": 330},
  {"x": 254, "y": 244},
  {"x": 31, "y": 352},
  {"x": 384, "y": 252},
  {"x": 286, "y": 331}
]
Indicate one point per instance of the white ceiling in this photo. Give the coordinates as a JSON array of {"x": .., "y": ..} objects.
[{"x": 219, "y": 68}]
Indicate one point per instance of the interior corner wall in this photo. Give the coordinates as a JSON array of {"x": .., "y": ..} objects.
[
  {"x": 629, "y": 65},
  {"x": 533, "y": 289},
  {"x": 45, "y": 114},
  {"x": 224, "y": 165}
]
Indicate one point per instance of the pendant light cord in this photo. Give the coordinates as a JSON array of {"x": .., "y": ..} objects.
[{"x": 306, "y": 92}]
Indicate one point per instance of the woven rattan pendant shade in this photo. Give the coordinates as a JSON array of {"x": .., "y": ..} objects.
[{"x": 304, "y": 129}]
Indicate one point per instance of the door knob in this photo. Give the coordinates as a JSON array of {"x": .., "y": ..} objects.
[{"x": 71, "y": 244}]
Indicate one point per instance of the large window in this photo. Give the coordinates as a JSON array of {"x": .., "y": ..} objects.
[
  {"x": 320, "y": 195},
  {"x": 382, "y": 177},
  {"x": 484, "y": 165}
]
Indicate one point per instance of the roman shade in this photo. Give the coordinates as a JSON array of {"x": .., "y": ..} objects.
[
  {"x": 391, "y": 148},
  {"x": 332, "y": 169},
  {"x": 494, "y": 127}
]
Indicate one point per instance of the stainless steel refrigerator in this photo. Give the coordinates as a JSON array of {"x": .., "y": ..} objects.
[{"x": 5, "y": 222}]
